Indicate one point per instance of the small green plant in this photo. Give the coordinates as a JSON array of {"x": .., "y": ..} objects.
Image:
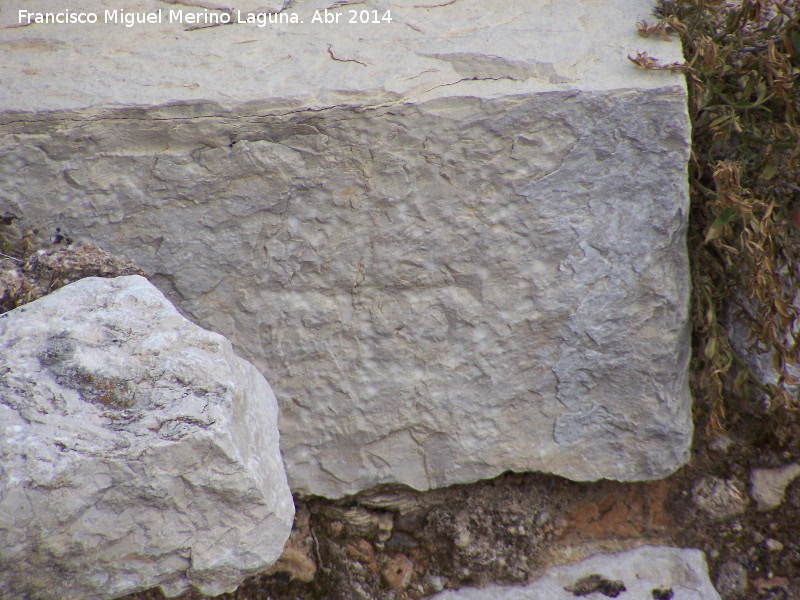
[{"x": 743, "y": 73}]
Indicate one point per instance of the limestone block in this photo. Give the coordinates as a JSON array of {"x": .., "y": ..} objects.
[
  {"x": 136, "y": 450},
  {"x": 647, "y": 572},
  {"x": 454, "y": 243}
]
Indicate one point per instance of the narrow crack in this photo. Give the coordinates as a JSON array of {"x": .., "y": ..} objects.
[
  {"x": 196, "y": 27},
  {"x": 417, "y": 29},
  {"x": 330, "y": 52},
  {"x": 287, "y": 4},
  {"x": 341, "y": 3},
  {"x": 18, "y": 25},
  {"x": 457, "y": 82},
  {"x": 435, "y": 5},
  {"x": 228, "y": 11},
  {"x": 108, "y": 117},
  {"x": 289, "y": 113}
]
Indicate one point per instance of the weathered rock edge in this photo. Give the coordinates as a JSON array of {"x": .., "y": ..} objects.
[
  {"x": 137, "y": 450},
  {"x": 682, "y": 572}
]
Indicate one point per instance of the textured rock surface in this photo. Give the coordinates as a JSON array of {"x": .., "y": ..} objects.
[
  {"x": 136, "y": 450},
  {"x": 453, "y": 243},
  {"x": 767, "y": 486},
  {"x": 641, "y": 571},
  {"x": 719, "y": 498}
]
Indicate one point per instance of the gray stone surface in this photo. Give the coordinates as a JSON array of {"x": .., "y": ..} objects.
[
  {"x": 720, "y": 498},
  {"x": 455, "y": 244},
  {"x": 767, "y": 486},
  {"x": 135, "y": 450},
  {"x": 683, "y": 571}
]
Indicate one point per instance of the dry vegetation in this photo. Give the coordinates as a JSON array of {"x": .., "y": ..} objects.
[
  {"x": 743, "y": 71},
  {"x": 32, "y": 266}
]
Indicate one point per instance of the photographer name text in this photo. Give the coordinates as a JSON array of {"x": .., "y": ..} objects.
[{"x": 205, "y": 18}]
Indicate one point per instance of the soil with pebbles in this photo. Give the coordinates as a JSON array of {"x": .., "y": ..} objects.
[{"x": 395, "y": 543}]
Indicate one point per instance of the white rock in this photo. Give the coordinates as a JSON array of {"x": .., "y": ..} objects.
[
  {"x": 641, "y": 571},
  {"x": 136, "y": 450},
  {"x": 767, "y": 486},
  {"x": 719, "y": 498},
  {"x": 773, "y": 545},
  {"x": 454, "y": 243}
]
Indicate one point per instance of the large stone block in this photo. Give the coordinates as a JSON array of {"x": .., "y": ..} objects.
[
  {"x": 454, "y": 243},
  {"x": 136, "y": 450}
]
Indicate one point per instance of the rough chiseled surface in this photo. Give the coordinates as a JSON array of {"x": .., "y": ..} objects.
[
  {"x": 135, "y": 450},
  {"x": 455, "y": 244},
  {"x": 647, "y": 572}
]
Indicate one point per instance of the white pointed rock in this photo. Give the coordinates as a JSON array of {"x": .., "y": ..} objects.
[{"x": 136, "y": 450}]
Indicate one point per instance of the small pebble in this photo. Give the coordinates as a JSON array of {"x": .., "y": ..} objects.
[
  {"x": 720, "y": 499},
  {"x": 721, "y": 444},
  {"x": 773, "y": 545},
  {"x": 401, "y": 541},
  {"x": 731, "y": 581},
  {"x": 397, "y": 572},
  {"x": 437, "y": 583},
  {"x": 385, "y": 526}
]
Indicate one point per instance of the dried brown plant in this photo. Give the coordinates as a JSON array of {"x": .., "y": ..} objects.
[{"x": 743, "y": 74}]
